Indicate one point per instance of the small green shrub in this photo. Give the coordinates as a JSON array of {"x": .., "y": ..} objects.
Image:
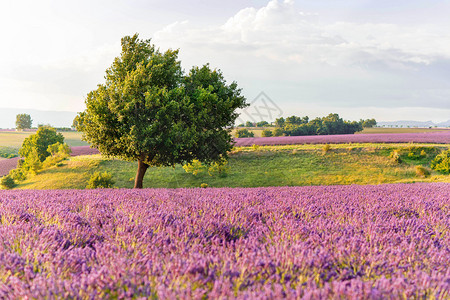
[
  {"x": 7, "y": 182},
  {"x": 18, "y": 174},
  {"x": 219, "y": 168},
  {"x": 204, "y": 185},
  {"x": 326, "y": 148},
  {"x": 423, "y": 153},
  {"x": 395, "y": 157},
  {"x": 441, "y": 162},
  {"x": 195, "y": 167},
  {"x": 421, "y": 171},
  {"x": 266, "y": 133},
  {"x": 241, "y": 133},
  {"x": 255, "y": 147},
  {"x": 100, "y": 180},
  {"x": 411, "y": 155}
]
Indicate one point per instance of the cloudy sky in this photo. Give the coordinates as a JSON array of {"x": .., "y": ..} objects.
[{"x": 384, "y": 59}]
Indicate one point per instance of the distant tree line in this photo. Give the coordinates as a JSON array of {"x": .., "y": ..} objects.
[
  {"x": 294, "y": 126},
  {"x": 255, "y": 124}
]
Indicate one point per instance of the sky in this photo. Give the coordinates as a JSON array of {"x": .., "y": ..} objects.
[{"x": 388, "y": 60}]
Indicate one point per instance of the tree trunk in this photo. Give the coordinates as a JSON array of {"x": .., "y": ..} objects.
[{"x": 142, "y": 168}]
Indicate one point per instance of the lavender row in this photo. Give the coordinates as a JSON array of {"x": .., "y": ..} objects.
[
  {"x": 7, "y": 165},
  {"x": 83, "y": 150},
  {"x": 440, "y": 137},
  {"x": 371, "y": 242}
]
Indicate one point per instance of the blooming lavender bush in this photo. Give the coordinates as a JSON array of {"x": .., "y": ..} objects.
[{"x": 371, "y": 242}]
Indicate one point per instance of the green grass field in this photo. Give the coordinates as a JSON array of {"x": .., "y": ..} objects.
[
  {"x": 14, "y": 139},
  {"x": 257, "y": 166}
]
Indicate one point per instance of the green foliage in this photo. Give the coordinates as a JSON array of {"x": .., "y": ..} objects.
[
  {"x": 23, "y": 121},
  {"x": 8, "y": 152},
  {"x": 262, "y": 124},
  {"x": 369, "y": 123},
  {"x": 441, "y": 162},
  {"x": 37, "y": 144},
  {"x": 20, "y": 163},
  {"x": 255, "y": 147},
  {"x": 395, "y": 157},
  {"x": 249, "y": 124},
  {"x": 149, "y": 111},
  {"x": 7, "y": 182},
  {"x": 100, "y": 180},
  {"x": 331, "y": 124},
  {"x": 59, "y": 149},
  {"x": 294, "y": 120},
  {"x": 242, "y": 133},
  {"x": 422, "y": 171},
  {"x": 204, "y": 185},
  {"x": 59, "y": 152},
  {"x": 280, "y": 122},
  {"x": 32, "y": 163},
  {"x": 266, "y": 133},
  {"x": 219, "y": 168},
  {"x": 18, "y": 174},
  {"x": 75, "y": 122},
  {"x": 278, "y": 132},
  {"x": 195, "y": 167},
  {"x": 417, "y": 153},
  {"x": 326, "y": 148}
]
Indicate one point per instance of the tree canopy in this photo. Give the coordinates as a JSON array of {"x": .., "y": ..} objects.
[
  {"x": 39, "y": 143},
  {"x": 369, "y": 123},
  {"x": 23, "y": 121},
  {"x": 331, "y": 124},
  {"x": 150, "y": 111}
]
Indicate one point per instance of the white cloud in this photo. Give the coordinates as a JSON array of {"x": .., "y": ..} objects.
[
  {"x": 279, "y": 31},
  {"x": 54, "y": 53},
  {"x": 295, "y": 56}
]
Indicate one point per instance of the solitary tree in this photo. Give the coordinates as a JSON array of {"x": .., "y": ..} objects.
[
  {"x": 23, "y": 121},
  {"x": 149, "y": 111}
]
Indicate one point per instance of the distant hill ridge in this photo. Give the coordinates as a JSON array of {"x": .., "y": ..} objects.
[
  {"x": 54, "y": 118},
  {"x": 414, "y": 124},
  {"x": 65, "y": 119}
]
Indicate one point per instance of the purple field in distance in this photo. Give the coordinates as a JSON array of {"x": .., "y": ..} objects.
[
  {"x": 439, "y": 137},
  {"x": 371, "y": 242},
  {"x": 8, "y": 164}
]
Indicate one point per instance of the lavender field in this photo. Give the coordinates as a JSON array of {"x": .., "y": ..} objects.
[
  {"x": 439, "y": 137},
  {"x": 373, "y": 242}
]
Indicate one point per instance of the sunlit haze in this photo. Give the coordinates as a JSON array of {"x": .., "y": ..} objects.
[{"x": 388, "y": 60}]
